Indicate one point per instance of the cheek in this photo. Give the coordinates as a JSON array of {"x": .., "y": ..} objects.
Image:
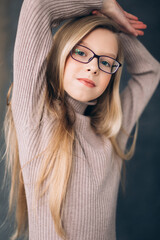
[
  {"x": 70, "y": 67},
  {"x": 67, "y": 71},
  {"x": 104, "y": 83},
  {"x": 67, "y": 66},
  {"x": 69, "y": 74}
]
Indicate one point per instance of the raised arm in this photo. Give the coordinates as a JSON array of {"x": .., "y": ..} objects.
[
  {"x": 145, "y": 76},
  {"x": 33, "y": 42}
]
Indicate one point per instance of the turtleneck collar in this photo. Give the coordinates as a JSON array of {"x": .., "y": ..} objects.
[{"x": 79, "y": 106}]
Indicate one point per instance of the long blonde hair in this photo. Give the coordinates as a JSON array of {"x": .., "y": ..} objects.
[{"x": 106, "y": 120}]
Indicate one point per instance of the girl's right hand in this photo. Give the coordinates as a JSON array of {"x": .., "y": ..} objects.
[{"x": 127, "y": 22}]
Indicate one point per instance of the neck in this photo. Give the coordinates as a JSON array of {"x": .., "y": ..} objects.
[{"x": 79, "y": 106}]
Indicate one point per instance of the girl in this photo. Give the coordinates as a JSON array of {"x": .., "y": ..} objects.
[{"x": 67, "y": 125}]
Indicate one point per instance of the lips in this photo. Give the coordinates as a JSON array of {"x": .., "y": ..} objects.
[{"x": 87, "y": 82}]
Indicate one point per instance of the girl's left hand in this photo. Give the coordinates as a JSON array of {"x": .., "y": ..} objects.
[{"x": 132, "y": 20}]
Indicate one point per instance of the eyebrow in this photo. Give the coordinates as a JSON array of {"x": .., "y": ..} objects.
[{"x": 105, "y": 54}]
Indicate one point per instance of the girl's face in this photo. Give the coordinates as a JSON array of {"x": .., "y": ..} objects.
[{"x": 77, "y": 75}]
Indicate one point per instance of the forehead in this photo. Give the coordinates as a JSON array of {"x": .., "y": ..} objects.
[{"x": 102, "y": 42}]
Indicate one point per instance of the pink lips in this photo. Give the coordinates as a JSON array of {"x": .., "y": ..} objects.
[{"x": 87, "y": 82}]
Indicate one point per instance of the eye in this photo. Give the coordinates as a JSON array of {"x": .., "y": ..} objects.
[
  {"x": 80, "y": 53},
  {"x": 105, "y": 63}
]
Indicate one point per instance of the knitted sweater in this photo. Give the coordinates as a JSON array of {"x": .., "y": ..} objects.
[{"x": 90, "y": 207}]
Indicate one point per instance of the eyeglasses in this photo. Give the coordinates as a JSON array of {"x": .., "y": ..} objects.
[{"x": 84, "y": 55}]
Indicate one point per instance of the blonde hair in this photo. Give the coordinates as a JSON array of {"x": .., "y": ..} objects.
[{"x": 106, "y": 120}]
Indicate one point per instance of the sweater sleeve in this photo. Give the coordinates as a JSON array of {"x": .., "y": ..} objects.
[
  {"x": 145, "y": 75},
  {"x": 33, "y": 42}
]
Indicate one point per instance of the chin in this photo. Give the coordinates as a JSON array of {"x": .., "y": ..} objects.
[{"x": 81, "y": 98}]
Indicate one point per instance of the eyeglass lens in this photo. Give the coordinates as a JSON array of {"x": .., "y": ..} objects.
[{"x": 84, "y": 55}]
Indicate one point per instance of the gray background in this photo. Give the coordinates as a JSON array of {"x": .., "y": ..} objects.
[{"x": 138, "y": 210}]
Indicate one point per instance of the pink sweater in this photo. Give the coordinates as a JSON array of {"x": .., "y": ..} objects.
[{"x": 90, "y": 207}]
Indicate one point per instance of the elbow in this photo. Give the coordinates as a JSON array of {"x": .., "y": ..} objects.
[{"x": 155, "y": 67}]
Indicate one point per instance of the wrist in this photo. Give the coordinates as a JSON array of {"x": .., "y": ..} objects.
[{"x": 108, "y": 6}]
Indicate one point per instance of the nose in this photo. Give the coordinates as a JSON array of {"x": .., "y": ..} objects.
[{"x": 92, "y": 66}]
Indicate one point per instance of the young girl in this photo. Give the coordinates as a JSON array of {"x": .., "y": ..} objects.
[{"x": 67, "y": 125}]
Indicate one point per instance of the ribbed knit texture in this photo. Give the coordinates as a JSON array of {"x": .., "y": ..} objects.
[{"x": 90, "y": 207}]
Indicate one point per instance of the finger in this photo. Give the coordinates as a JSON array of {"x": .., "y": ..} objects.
[
  {"x": 134, "y": 21},
  {"x": 94, "y": 12},
  {"x": 128, "y": 28},
  {"x": 130, "y": 16},
  {"x": 125, "y": 24},
  {"x": 139, "y": 26},
  {"x": 138, "y": 32},
  {"x": 97, "y": 13},
  {"x": 141, "y": 33}
]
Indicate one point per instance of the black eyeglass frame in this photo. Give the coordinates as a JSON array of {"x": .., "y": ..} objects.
[{"x": 96, "y": 56}]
